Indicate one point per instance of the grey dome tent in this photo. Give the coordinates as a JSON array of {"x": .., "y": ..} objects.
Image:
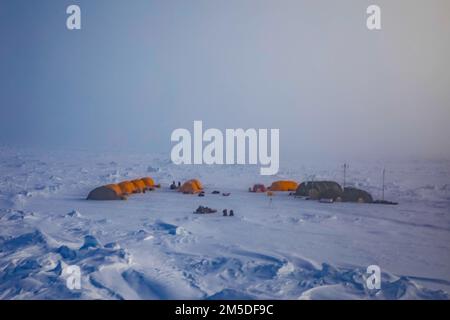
[
  {"x": 356, "y": 195},
  {"x": 319, "y": 190}
]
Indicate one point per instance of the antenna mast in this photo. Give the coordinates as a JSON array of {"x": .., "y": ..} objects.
[{"x": 345, "y": 172}]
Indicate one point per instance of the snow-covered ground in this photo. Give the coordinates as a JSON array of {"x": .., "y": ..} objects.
[{"x": 153, "y": 247}]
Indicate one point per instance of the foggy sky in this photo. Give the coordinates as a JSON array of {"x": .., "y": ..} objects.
[{"x": 140, "y": 69}]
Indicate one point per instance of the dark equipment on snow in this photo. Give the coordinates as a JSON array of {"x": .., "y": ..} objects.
[{"x": 204, "y": 210}]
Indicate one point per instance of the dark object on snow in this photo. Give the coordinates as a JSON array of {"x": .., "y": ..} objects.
[
  {"x": 215, "y": 192},
  {"x": 225, "y": 212},
  {"x": 204, "y": 210},
  {"x": 201, "y": 194},
  {"x": 173, "y": 186},
  {"x": 385, "y": 202},
  {"x": 179, "y": 184},
  {"x": 226, "y": 194},
  {"x": 231, "y": 213},
  {"x": 356, "y": 195},
  {"x": 319, "y": 190}
]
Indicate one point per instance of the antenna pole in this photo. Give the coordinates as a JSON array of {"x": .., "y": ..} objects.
[
  {"x": 382, "y": 194},
  {"x": 345, "y": 172}
]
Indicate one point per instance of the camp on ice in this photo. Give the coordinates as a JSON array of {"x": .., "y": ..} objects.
[{"x": 189, "y": 150}]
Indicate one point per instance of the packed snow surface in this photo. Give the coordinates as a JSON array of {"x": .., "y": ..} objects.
[{"x": 152, "y": 246}]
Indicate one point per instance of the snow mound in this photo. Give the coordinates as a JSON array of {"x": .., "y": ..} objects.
[
  {"x": 73, "y": 214},
  {"x": 39, "y": 271}
]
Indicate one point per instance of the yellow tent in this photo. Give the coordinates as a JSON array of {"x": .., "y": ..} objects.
[
  {"x": 284, "y": 185},
  {"x": 191, "y": 186}
]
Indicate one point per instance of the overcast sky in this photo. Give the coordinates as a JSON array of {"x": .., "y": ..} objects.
[{"x": 140, "y": 69}]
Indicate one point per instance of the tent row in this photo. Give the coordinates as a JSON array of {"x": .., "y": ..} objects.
[
  {"x": 122, "y": 190},
  {"x": 317, "y": 190}
]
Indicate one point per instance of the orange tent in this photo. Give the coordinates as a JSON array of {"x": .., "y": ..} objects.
[
  {"x": 284, "y": 185},
  {"x": 108, "y": 192},
  {"x": 149, "y": 182},
  {"x": 191, "y": 186},
  {"x": 140, "y": 185},
  {"x": 127, "y": 187},
  {"x": 197, "y": 183}
]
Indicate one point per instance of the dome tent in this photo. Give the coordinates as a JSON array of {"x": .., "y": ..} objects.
[
  {"x": 319, "y": 190},
  {"x": 191, "y": 187},
  {"x": 356, "y": 195},
  {"x": 108, "y": 192},
  {"x": 283, "y": 185}
]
